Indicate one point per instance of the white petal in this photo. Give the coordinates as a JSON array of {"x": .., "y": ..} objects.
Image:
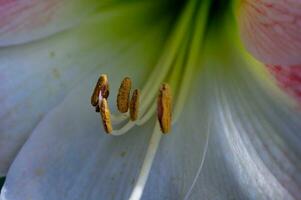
[
  {"x": 27, "y": 20},
  {"x": 35, "y": 77},
  {"x": 69, "y": 156},
  {"x": 253, "y": 140},
  {"x": 255, "y": 145}
]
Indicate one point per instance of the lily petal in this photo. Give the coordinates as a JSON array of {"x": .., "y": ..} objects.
[
  {"x": 36, "y": 77},
  {"x": 271, "y": 30},
  {"x": 255, "y": 146},
  {"x": 27, "y": 20},
  {"x": 249, "y": 140},
  {"x": 69, "y": 156}
]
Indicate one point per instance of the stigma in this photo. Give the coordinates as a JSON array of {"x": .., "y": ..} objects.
[{"x": 128, "y": 106}]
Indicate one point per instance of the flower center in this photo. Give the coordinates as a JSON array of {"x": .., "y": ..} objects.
[{"x": 176, "y": 68}]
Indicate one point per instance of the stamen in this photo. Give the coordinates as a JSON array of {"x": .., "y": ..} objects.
[
  {"x": 102, "y": 86},
  {"x": 134, "y": 105},
  {"x": 105, "y": 115},
  {"x": 124, "y": 95},
  {"x": 164, "y": 108}
]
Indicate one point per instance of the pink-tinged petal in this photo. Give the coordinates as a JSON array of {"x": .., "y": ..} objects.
[
  {"x": 271, "y": 30},
  {"x": 26, "y": 20},
  {"x": 288, "y": 78}
]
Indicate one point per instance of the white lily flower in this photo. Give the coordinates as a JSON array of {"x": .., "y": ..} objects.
[{"x": 235, "y": 133}]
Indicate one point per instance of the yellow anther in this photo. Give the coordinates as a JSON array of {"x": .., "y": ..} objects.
[
  {"x": 105, "y": 115},
  {"x": 102, "y": 86},
  {"x": 164, "y": 108},
  {"x": 134, "y": 105},
  {"x": 124, "y": 95}
]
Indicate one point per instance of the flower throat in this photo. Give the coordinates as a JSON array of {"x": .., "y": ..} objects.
[{"x": 175, "y": 68}]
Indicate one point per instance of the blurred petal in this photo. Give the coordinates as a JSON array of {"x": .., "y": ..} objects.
[
  {"x": 26, "y": 20},
  {"x": 271, "y": 30},
  {"x": 288, "y": 78},
  {"x": 69, "y": 156},
  {"x": 36, "y": 77}
]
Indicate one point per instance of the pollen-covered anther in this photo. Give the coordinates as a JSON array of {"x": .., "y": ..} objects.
[
  {"x": 101, "y": 87},
  {"x": 123, "y": 97},
  {"x": 134, "y": 105},
  {"x": 105, "y": 115},
  {"x": 164, "y": 108}
]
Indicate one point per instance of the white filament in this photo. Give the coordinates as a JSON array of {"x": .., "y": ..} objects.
[{"x": 147, "y": 163}]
